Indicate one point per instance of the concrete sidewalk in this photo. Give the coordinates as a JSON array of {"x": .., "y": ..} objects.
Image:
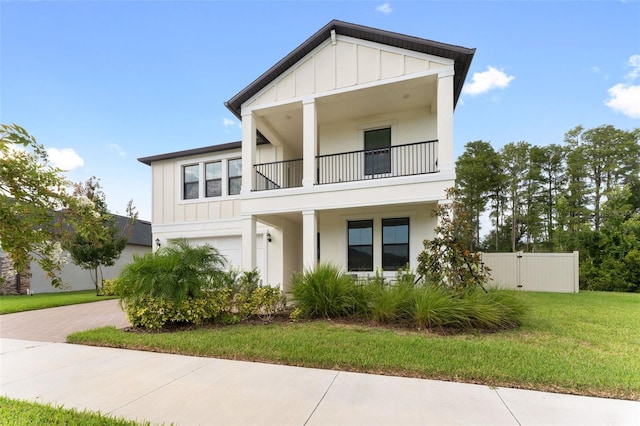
[
  {"x": 186, "y": 390},
  {"x": 183, "y": 390}
]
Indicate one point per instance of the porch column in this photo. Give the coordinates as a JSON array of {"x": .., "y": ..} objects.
[
  {"x": 248, "y": 242},
  {"x": 445, "y": 121},
  {"x": 309, "y": 239},
  {"x": 309, "y": 142},
  {"x": 248, "y": 152}
]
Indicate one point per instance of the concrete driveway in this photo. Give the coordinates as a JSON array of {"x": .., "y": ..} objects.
[{"x": 55, "y": 324}]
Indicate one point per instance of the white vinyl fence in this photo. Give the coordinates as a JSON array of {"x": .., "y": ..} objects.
[{"x": 554, "y": 272}]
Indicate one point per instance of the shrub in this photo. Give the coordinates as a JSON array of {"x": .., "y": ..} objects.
[
  {"x": 176, "y": 272},
  {"x": 108, "y": 287},
  {"x": 155, "y": 313},
  {"x": 182, "y": 284},
  {"x": 326, "y": 292}
]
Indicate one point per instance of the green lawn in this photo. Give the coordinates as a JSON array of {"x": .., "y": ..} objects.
[
  {"x": 11, "y": 304},
  {"x": 585, "y": 344},
  {"x": 15, "y": 412}
]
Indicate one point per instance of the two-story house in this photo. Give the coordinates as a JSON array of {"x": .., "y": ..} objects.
[{"x": 347, "y": 147}]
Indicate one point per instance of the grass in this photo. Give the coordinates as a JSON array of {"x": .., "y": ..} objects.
[
  {"x": 584, "y": 344},
  {"x": 12, "y": 304},
  {"x": 16, "y": 412}
]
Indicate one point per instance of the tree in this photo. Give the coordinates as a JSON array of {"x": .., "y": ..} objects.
[
  {"x": 445, "y": 260},
  {"x": 552, "y": 175},
  {"x": 36, "y": 212},
  {"x": 476, "y": 175},
  {"x": 515, "y": 157},
  {"x": 100, "y": 245}
]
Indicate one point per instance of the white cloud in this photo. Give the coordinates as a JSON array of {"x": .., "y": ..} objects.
[
  {"x": 483, "y": 82},
  {"x": 625, "y": 98},
  {"x": 118, "y": 149},
  {"x": 384, "y": 8},
  {"x": 227, "y": 122},
  {"x": 634, "y": 63},
  {"x": 65, "y": 159}
]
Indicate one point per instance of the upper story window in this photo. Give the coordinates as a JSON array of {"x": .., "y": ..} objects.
[
  {"x": 191, "y": 181},
  {"x": 377, "y": 156},
  {"x": 360, "y": 241},
  {"x": 395, "y": 243},
  {"x": 213, "y": 179},
  {"x": 235, "y": 176}
]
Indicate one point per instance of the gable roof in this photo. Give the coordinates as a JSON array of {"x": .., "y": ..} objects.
[{"x": 462, "y": 56}]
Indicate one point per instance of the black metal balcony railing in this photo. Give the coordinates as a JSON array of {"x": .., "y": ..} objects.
[
  {"x": 280, "y": 174},
  {"x": 400, "y": 160}
]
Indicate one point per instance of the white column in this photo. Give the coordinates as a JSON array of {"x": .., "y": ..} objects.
[
  {"x": 309, "y": 239},
  {"x": 309, "y": 142},
  {"x": 248, "y": 152},
  {"x": 248, "y": 243},
  {"x": 445, "y": 121}
]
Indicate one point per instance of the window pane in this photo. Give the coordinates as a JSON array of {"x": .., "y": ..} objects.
[
  {"x": 360, "y": 258},
  {"x": 190, "y": 191},
  {"x": 395, "y": 231},
  {"x": 395, "y": 243},
  {"x": 235, "y": 167},
  {"x": 395, "y": 256},
  {"x": 234, "y": 185},
  {"x": 376, "y": 139},
  {"x": 214, "y": 188},
  {"x": 213, "y": 170},
  {"x": 358, "y": 237},
  {"x": 378, "y": 158},
  {"x": 360, "y": 240},
  {"x": 190, "y": 176},
  {"x": 191, "y": 173}
]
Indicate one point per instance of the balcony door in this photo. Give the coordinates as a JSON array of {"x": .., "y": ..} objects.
[{"x": 377, "y": 156}]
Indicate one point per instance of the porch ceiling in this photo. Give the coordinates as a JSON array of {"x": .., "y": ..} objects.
[{"x": 285, "y": 121}]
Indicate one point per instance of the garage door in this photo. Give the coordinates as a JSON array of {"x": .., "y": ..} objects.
[{"x": 231, "y": 249}]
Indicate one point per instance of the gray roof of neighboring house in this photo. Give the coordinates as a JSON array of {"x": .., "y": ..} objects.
[
  {"x": 140, "y": 234},
  {"x": 462, "y": 56}
]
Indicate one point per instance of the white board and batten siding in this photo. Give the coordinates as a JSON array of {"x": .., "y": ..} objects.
[{"x": 552, "y": 272}]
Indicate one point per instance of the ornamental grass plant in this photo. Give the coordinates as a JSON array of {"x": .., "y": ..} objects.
[{"x": 329, "y": 293}]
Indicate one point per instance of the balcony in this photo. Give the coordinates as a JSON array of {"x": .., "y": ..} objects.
[{"x": 399, "y": 160}]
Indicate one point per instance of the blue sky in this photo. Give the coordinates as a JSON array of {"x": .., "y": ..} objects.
[{"x": 103, "y": 83}]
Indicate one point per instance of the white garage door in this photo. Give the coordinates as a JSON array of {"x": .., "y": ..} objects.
[{"x": 231, "y": 249}]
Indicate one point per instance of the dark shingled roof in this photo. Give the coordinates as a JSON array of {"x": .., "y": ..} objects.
[
  {"x": 461, "y": 55},
  {"x": 141, "y": 233},
  {"x": 261, "y": 140},
  {"x": 189, "y": 152}
]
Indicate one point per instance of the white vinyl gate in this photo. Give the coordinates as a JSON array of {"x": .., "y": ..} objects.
[{"x": 553, "y": 272}]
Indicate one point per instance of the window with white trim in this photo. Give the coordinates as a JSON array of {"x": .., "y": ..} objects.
[
  {"x": 235, "y": 176},
  {"x": 213, "y": 179},
  {"x": 191, "y": 182},
  {"x": 395, "y": 243},
  {"x": 377, "y": 155},
  {"x": 360, "y": 242}
]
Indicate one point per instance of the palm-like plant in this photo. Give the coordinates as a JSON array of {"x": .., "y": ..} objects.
[{"x": 175, "y": 272}]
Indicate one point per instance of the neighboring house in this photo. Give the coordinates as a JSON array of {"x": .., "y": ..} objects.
[
  {"x": 74, "y": 277},
  {"x": 347, "y": 148}
]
